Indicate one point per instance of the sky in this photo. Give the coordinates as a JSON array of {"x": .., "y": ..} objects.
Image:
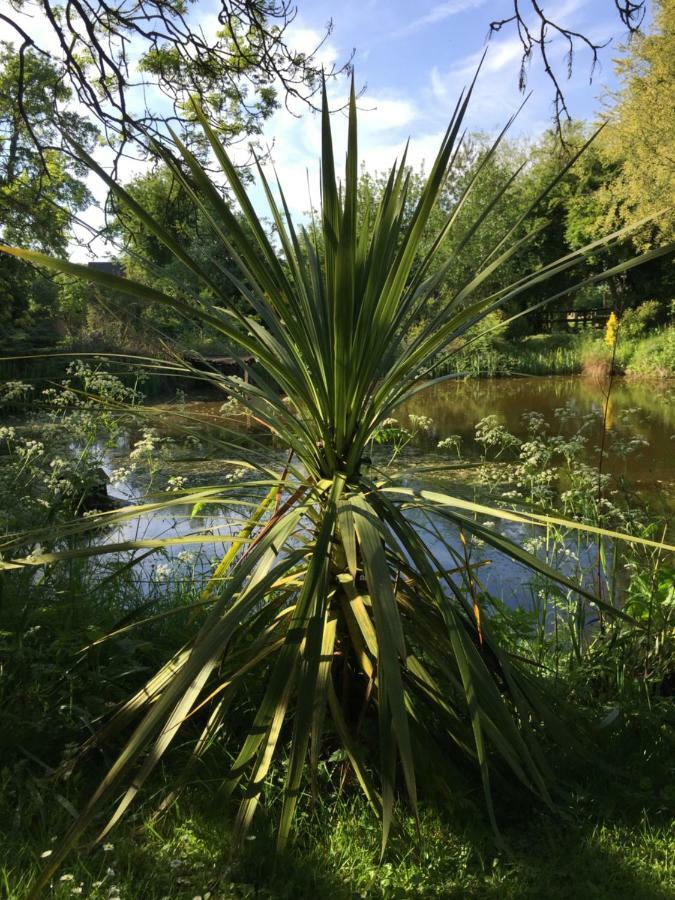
[
  {"x": 411, "y": 60},
  {"x": 413, "y": 57}
]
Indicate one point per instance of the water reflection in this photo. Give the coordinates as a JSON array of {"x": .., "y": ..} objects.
[
  {"x": 636, "y": 408},
  {"x": 639, "y": 409}
]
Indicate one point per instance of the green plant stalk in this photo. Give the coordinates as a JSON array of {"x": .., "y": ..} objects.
[{"x": 324, "y": 322}]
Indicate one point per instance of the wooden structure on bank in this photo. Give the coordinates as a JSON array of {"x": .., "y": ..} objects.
[
  {"x": 573, "y": 319},
  {"x": 224, "y": 365}
]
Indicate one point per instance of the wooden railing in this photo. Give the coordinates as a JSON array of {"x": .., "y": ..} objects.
[{"x": 574, "y": 318}]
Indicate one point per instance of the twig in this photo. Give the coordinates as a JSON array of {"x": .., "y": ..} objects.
[{"x": 535, "y": 31}]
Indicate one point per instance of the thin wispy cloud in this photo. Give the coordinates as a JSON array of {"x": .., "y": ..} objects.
[{"x": 438, "y": 13}]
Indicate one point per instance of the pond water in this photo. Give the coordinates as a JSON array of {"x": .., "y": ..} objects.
[{"x": 642, "y": 409}]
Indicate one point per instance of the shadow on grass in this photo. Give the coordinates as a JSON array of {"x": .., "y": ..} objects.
[
  {"x": 613, "y": 841},
  {"x": 611, "y": 860}
]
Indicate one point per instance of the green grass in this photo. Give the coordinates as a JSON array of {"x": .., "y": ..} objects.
[
  {"x": 546, "y": 354},
  {"x": 648, "y": 356},
  {"x": 590, "y": 852}
]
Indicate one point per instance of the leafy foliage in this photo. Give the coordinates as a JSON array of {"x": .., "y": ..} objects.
[
  {"x": 146, "y": 258},
  {"x": 328, "y": 597},
  {"x": 640, "y": 138},
  {"x": 127, "y": 64},
  {"x": 40, "y": 192}
]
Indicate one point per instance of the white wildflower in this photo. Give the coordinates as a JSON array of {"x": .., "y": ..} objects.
[
  {"x": 121, "y": 474},
  {"x": 162, "y": 571},
  {"x": 420, "y": 423},
  {"x": 176, "y": 483}
]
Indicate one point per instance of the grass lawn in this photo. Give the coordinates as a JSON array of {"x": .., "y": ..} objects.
[{"x": 609, "y": 840}]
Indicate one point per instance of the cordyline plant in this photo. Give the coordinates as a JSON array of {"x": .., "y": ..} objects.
[{"x": 329, "y": 596}]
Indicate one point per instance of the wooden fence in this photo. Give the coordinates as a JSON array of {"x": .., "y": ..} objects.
[{"x": 574, "y": 319}]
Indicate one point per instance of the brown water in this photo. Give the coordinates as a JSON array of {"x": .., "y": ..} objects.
[{"x": 644, "y": 409}]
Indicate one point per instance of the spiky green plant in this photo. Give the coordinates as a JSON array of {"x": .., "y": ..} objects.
[{"x": 329, "y": 595}]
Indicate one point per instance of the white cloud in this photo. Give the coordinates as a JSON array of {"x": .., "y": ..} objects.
[
  {"x": 496, "y": 94},
  {"x": 384, "y": 114},
  {"x": 437, "y": 13},
  {"x": 385, "y": 121},
  {"x": 302, "y": 39}
]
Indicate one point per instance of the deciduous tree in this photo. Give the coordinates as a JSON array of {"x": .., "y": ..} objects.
[{"x": 41, "y": 188}]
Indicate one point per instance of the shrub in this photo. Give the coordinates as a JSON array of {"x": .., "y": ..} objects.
[
  {"x": 634, "y": 322},
  {"x": 327, "y": 622},
  {"x": 654, "y": 356}
]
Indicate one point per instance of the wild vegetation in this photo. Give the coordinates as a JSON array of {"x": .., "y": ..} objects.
[
  {"x": 637, "y": 347},
  {"x": 616, "y": 819},
  {"x": 311, "y": 646}
]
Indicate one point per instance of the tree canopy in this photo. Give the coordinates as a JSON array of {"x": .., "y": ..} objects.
[
  {"x": 640, "y": 139},
  {"x": 134, "y": 65},
  {"x": 41, "y": 188}
]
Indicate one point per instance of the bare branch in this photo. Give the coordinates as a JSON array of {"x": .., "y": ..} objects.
[
  {"x": 109, "y": 48},
  {"x": 536, "y": 30}
]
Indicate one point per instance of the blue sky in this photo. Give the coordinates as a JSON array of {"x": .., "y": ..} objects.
[
  {"x": 422, "y": 52},
  {"x": 412, "y": 57}
]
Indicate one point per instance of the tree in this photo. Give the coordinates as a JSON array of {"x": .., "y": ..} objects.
[
  {"x": 41, "y": 189},
  {"x": 629, "y": 172},
  {"x": 473, "y": 182},
  {"x": 123, "y": 58},
  {"x": 640, "y": 139},
  {"x": 147, "y": 259},
  {"x": 516, "y": 175}
]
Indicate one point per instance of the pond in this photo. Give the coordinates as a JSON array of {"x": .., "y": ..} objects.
[
  {"x": 644, "y": 409},
  {"x": 635, "y": 409}
]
